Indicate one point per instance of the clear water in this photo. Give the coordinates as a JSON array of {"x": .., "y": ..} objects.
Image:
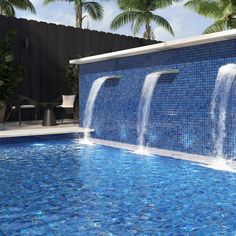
[
  {"x": 88, "y": 113},
  {"x": 145, "y": 105},
  {"x": 65, "y": 188},
  {"x": 219, "y": 106}
]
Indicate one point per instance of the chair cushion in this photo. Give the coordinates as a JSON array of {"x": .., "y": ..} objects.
[
  {"x": 27, "y": 106},
  {"x": 68, "y": 101}
]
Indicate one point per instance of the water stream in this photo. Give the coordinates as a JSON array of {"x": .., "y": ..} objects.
[
  {"x": 219, "y": 106},
  {"x": 88, "y": 113},
  {"x": 144, "y": 107}
]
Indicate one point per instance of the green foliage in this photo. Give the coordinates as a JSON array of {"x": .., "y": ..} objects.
[
  {"x": 10, "y": 74},
  {"x": 222, "y": 12},
  {"x": 7, "y": 7},
  {"x": 141, "y": 14},
  {"x": 72, "y": 75},
  {"x": 93, "y": 9}
]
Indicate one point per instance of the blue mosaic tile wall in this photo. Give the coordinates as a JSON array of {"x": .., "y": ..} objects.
[{"x": 180, "y": 109}]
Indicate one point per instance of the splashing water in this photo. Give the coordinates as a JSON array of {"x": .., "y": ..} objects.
[
  {"x": 219, "y": 106},
  {"x": 144, "y": 109},
  {"x": 88, "y": 113}
]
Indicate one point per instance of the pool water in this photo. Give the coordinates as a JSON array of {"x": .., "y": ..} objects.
[{"x": 65, "y": 188}]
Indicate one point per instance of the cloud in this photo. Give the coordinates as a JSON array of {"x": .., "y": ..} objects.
[
  {"x": 58, "y": 13},
  {"x": 184, "y": 22}
]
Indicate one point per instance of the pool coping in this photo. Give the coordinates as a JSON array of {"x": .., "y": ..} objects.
[
  {"x": 172, "y": 44},
  {"x": 40, "y": 132},
  {"x": 196, "y": 158}
]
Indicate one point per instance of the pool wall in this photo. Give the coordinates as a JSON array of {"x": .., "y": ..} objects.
[{"x": 180, "y": 109}]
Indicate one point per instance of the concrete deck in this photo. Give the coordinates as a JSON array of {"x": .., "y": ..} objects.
[{"x": 12, "y": 129}]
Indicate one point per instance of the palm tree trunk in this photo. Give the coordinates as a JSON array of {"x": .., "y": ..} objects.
[
  {"x": 78, "y": 14},
  {"x": 148, "y": 30}
]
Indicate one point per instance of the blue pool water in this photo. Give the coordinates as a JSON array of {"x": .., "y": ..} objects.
[{"x": 63, "y": 188}]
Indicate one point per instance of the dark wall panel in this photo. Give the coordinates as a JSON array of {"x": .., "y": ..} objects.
[
  {"x": 45, "y": 50},
  {"x": 44, "y": 60},
  {"x": 35, "y": 59}
]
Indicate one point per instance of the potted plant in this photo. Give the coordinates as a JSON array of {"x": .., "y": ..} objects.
[
  {"x": 10, "y": 73},
  {"x": 72, "y": 75}
]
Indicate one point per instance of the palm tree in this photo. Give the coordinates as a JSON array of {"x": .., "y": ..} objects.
[
  {"x": 94, "y": 10},
  {"x": 223, "y": 12},
  {"x": 141, "y": 13},
  {"x": 7, "y": 7}
]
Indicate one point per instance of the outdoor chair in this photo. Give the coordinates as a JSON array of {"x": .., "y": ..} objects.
[
  {"x": 20, "y": 104},
  {"x": 68, "y": 106}
]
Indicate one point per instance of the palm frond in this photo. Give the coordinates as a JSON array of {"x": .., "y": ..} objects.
[
  {"x": 218, "y": 26},
  {"x": 163, "y": 23},
  {"x": 124, "y": 18},
  {"x": 23, "y": 5},
  {"x": 46, "y": 2},
  {"x": 229, "y": 10},
  {"x": 164, "y": 3},
  {"x": 6, "y": 8},
  {"x": 94, "y": 9},
  {"x": 207, "y": 8},
  {"x": 138, "y": 23},
  {"x": 128, "y": 5}
]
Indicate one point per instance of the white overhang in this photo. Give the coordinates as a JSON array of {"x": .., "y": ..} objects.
[{"x": 180, "y": 43}]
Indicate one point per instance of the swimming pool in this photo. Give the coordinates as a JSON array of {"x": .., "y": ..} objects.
[{"x": 64, "y": 188}]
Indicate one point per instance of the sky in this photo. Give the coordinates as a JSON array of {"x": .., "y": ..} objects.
[{"x": 184, "y": 22}]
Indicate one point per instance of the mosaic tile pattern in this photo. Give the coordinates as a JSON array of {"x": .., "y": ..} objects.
[
  {"x": 180, "y": 110},
  {"x": 62, "y": 188}
]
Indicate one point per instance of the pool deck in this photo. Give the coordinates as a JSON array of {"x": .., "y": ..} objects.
[{"x": 12, "y": 129}]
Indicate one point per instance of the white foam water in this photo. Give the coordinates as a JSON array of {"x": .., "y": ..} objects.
[
  {"x": 144, "y": 109},
  {"x": 219, "y": 106},
  {"x": 142, "y": 151},
  {"x": 220, "y": 164}
]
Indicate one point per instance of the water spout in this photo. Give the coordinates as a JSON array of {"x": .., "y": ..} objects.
[
  {"x": 145, "y": 104},
  {"x": 219, "y": 107},
  {"x": 88, "y": 113}
]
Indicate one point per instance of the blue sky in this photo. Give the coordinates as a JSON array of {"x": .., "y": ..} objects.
[{"x": 184, "y": 22}]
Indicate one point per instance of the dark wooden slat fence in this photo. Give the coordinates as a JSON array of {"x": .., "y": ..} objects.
[{"x": 49, "y": 49}]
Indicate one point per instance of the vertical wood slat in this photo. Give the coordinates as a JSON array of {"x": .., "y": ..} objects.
[
  {"x": 13, "y": 24},
  {"x": 44, "y": 72},
  {"x": 35, "y": 58},
  {"x": 79, "y": 43},
  {"x": 24, "y": 53},
  {"x": 53, "y": 70},
  {"x": 61, "y": 57}
]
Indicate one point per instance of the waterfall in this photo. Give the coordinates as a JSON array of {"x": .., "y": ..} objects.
[
  {"x": 144, "y": 106},
  {"x": 219, "y": 106},
  {"x": 88, "y": 113}
]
